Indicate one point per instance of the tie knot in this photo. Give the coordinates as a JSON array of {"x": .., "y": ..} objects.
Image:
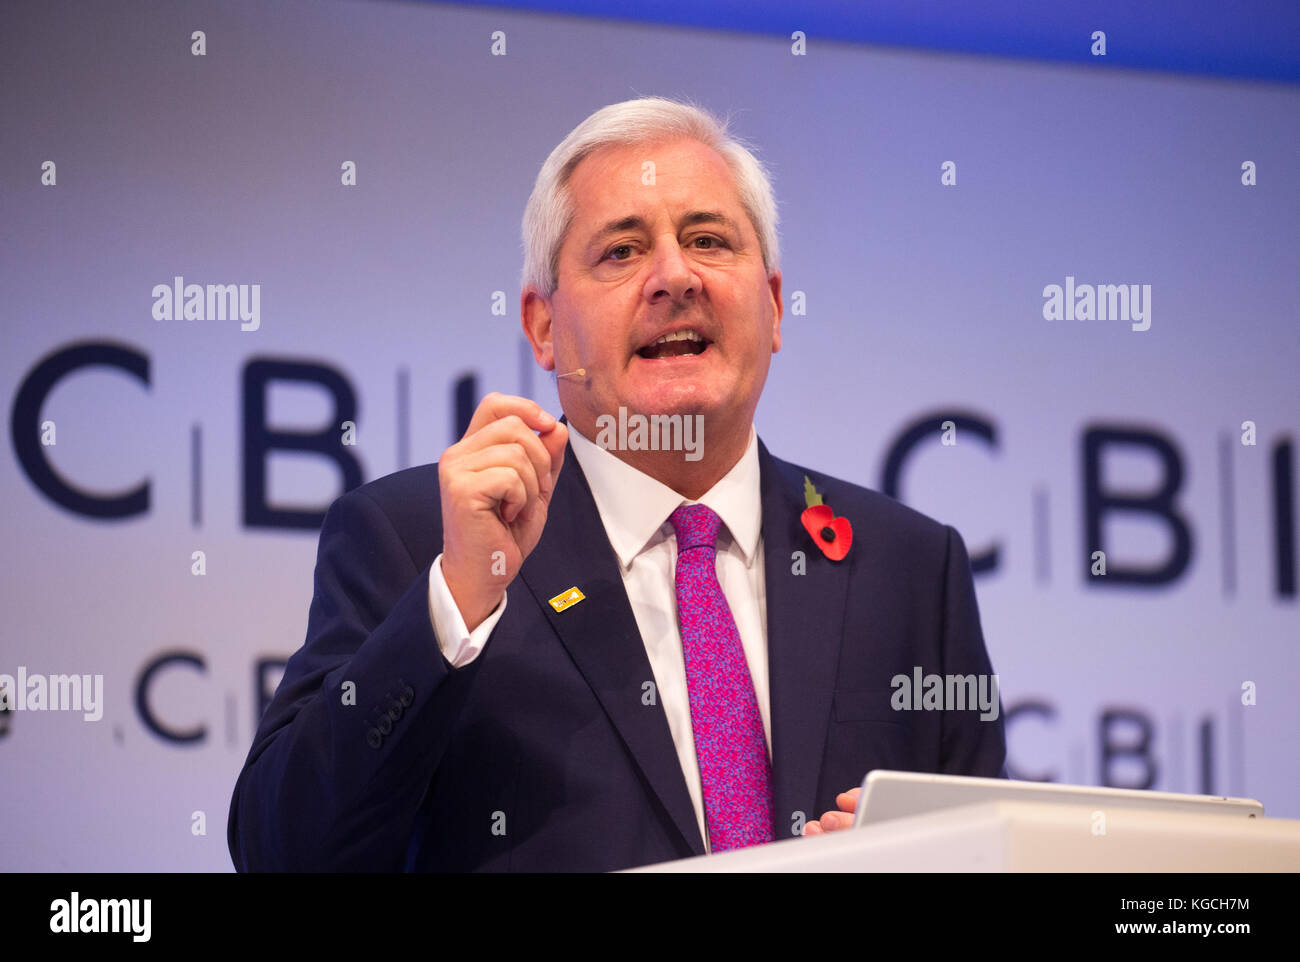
[{"x": 696, "y": 526}]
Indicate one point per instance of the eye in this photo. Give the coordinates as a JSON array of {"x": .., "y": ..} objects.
[
  {"x": 610, "y": 254},
  {"x": 713, "y": 242}
]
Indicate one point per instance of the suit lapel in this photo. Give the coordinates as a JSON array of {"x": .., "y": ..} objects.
[
  {"x": 805, "y": 623},
  {"x": 601, "y": 635}
]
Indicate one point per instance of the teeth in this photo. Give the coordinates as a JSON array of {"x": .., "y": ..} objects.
[{"x": 680, "y": 336}]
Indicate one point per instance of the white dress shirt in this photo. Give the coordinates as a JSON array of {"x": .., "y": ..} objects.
[{"x": 634, "y": 509}]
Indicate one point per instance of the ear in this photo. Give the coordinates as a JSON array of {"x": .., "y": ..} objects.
[
  {"x": 778, "y": 309},
  {"x": 535, "y": 313}
]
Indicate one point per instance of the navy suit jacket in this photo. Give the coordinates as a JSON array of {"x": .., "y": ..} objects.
[{"x": 542, "y": 754}]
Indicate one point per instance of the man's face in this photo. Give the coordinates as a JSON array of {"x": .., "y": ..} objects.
[{"x": 653, "y": 251}]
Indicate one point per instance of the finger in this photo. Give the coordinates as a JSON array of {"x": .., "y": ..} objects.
[
  {"x": 848, "y": 801},
  {"x": 834, "y": 821},
  {"x": 512, "y": 430},
  {"x": 554, "y": 441},
  {"x": 502, "y": 488},
  {"x": 495, "y": 406},
  {"x": 812, "y": 828},
  {"x": 513, "y": 458}
]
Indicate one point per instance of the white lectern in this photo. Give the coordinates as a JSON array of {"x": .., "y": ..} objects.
[{"x": 1018, "y": 836}]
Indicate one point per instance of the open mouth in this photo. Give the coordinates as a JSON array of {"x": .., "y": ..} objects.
[{"x": 679, "y": 344}]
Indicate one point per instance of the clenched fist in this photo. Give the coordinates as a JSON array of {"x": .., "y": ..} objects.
[{"x": 496, "y": 484}]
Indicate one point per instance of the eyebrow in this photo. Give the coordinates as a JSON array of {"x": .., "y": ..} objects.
[{"x": 690, "y": 219}]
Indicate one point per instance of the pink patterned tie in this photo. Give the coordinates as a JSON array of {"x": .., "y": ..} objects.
[{"x": 729, "y": 742}]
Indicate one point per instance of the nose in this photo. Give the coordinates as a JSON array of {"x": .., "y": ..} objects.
[{"x": 671, "y": 275}]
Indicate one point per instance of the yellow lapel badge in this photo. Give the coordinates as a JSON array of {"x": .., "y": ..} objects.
[{"x": 567, "y": 599}]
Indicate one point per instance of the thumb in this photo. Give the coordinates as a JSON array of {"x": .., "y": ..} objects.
[{"x": 555, "y": 441}]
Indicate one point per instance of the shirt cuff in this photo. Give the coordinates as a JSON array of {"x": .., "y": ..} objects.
[{"x": 459, "y": 645}]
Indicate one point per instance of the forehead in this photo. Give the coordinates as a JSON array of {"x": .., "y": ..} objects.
[{"x": 636, "y": 178}]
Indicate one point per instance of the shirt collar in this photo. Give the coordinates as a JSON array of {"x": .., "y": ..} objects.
[{"x": 634, "y": 506}]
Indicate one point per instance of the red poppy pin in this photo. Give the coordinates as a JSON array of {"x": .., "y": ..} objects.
[{"x": 833, "y": 535}]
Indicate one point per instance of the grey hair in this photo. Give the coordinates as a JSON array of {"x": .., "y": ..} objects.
[{"x": 550, "y": 211}]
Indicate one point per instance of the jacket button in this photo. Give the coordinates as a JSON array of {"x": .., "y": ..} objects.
[
  {"x": 385, "y": 724},
  {"x": 408, "y": 696},
  {"x": 395, "y": 711},
  {"x": 373, "y": 738}
]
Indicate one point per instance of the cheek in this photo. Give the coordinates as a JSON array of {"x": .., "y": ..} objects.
[
  {"x": 606, "y": 343},
  {"x": 580, "y": 332}
]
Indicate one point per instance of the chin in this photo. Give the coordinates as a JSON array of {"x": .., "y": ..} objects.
[{"x": 680, "y": 399}]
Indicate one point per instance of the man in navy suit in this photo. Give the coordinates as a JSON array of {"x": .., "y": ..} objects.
[{"x": 510, "y": 663}]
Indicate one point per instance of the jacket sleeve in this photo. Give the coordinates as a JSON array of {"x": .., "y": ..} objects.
[
  {"x": 345, "y": 753},
  {"x": 973, "y": 742}
]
